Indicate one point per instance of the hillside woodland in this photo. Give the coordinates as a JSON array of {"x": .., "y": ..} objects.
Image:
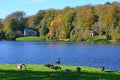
[{"x": 80, "y": 23}]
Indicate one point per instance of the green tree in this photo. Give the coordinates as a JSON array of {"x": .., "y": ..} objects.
[
  {"x": 115, "y": 34},
  {"x": 1, "y": 29},
  {"x": 10, "y": 35},
  {"x": 14, "y": 22},
  {"x": 67, "y": 23}
]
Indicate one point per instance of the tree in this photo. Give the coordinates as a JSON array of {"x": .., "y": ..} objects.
[
  {"x": 67, "y": 23},
  {"x": 14, "y": 22},
  {"x": 115, "y": 34},
  {"x": 1, "y": 29},
  {"x": 45, "y": 22},
  {"x": 54, "y": 25},
  {"x": 84, "y": 17},
  {"x": 10, "y": 35},
  {"x": 109, "y": 20}
]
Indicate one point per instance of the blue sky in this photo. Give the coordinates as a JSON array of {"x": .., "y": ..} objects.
[{"x": 30, "y": 7}]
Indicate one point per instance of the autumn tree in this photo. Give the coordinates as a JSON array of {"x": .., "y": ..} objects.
[
  {"x": 55, "y": 25},
  {"x": 83, "y": 22},
  {"x": 115, "y": 31},
  {"x": 45, "y": 22},
  {"x": 108, "y": 19},
  {"x": 14, "y": 22},
  {"x": 84, "y": 18},
  {"x": 67, "y": 25}
]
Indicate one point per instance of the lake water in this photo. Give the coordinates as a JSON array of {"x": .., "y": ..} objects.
[{"x": 94, "y": 55}]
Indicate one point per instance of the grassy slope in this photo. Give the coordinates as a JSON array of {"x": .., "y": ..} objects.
[
  {"x": 98, "y": 38},
  {"x": 30, "y": 38},
  {"x": 40, "y": 72}
]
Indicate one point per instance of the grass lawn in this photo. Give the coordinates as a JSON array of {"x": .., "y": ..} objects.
[
  {"x": 29, "y": 38},
  {"x": 40, "y": 72},
  {"x": 98, "y": 39}
]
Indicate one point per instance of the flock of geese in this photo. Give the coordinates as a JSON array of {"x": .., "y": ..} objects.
[{"x": 56, "y": 67}]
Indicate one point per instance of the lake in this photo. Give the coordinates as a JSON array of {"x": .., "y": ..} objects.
[{"x": 94, "y": 55}]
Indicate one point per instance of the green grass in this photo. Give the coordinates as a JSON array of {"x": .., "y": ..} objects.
[
  {"x": 98, "y": 39},
  {"x": 102, "y": 39},
  {"x": 30, "y": 38},
  {"x": 40, "y": 72}
]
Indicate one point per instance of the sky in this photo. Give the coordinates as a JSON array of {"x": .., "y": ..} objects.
[{"x": 31, "y": 7}]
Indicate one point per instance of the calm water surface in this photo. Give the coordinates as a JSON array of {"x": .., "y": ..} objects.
[{"x": 94, "y": 55}]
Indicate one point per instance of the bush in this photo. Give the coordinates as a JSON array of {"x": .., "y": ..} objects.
[
  {"x": 82, "y": 35},
  {"x": 10, "y": 35},
  {"x": 116, "y": 34}
]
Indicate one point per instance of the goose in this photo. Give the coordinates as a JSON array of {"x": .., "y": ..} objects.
[{"x": 58, "y": 62}]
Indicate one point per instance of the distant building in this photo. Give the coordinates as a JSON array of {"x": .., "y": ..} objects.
[{"x": 30, "y": 32}]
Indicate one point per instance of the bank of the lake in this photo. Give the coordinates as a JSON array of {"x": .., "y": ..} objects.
[
  {"x": 30, "y": 38},
  {"x": 99, "y": 39},
  {"x": 40, "y": 72}
]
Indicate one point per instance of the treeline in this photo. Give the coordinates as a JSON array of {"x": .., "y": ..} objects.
[{"x": 76, "y": 24}]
